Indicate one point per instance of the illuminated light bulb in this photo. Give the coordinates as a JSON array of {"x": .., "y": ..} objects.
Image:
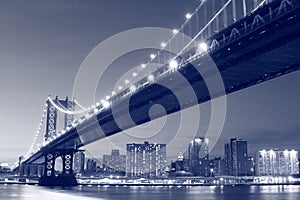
[
  {"x": 175, "y": 31},
  {"x": 152, "y": 56},
  {"x": 163, "y": 44},
  {"x": 188, "y": 15},
  {"x": 107, "y": 97},
  {"x": 134, "y": 74},
  {"x": 173, "y": 64},
  {"x": 143, "y": 66},
  {"x": 105, "y": 104},
  {"x": 203, "y": 46},
  {"x": 126, "y": 81},
  {"x": 132, "y": 88},
  {"x": 150, "y": 78},
  {"x": 97, "y": 104}
]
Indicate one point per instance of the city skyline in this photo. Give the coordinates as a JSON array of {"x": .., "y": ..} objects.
[
  {"x": 44, "y": 56},
  {"x": 220, "y": 154},
  {"x": 149, "y": 160}
]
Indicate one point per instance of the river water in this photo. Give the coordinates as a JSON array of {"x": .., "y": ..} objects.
[{"x": 29, "y": 192}]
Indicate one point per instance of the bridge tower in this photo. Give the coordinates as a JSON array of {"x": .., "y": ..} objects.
[
  {"x": 50, "y": 176},
  {"x": 52, "y": 115}
]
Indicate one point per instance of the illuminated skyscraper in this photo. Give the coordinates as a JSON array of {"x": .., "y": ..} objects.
[
  {"x": 198, "y": 157},
  {"x": 146, "y": 160},
  {"x": 236, "y": 158},
  {"x": 274, "y": 162}
]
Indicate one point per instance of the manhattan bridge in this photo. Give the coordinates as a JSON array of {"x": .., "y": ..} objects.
[{"x": 250, "y": 42}]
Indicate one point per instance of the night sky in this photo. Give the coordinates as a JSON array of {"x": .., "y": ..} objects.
[{"x": 43, "y": 43}]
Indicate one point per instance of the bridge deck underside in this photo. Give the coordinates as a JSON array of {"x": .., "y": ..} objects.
[{"x": 269, "y": 52}]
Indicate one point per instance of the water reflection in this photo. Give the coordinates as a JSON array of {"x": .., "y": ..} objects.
[{"x": 26, "y": 192}]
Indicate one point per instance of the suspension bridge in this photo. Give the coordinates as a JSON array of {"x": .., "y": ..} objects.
[{"x": 248, "y": 41}]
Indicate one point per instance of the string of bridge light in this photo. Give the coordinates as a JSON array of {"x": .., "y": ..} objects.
[
  {"x": 105, "y": 103},
  {"x": 172, "y": 64},
  {"x": 31, "y": 149}
]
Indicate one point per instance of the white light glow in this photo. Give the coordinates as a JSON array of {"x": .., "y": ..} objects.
[
  {"x": 173, "y": 64},
  {"x": 175, "y": 31},
  {"x": 126, "y": 81},
  {"x": 206, "y": 140},
  {"x": 132, "y": 88},
  {"x": 134, "y": 74},
  {"x": 163, "y": 44},
  {"x": 152, "y": 56},
  {"x": 105, "y": 104},
  {"x": 120, "y": 87},
  {"x": 203, "y": 47},
  {"x": 198, "y": 140},
  {"x": 150, "y": 78},
  {"x": 188, "y": 15},
  {"x": 113, "y": 93},
  {"x": 107, "y": 97},
  {"x": 143, "y": 66}
]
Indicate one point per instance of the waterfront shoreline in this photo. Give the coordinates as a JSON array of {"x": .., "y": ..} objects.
[{"x": 159, "y": 185}]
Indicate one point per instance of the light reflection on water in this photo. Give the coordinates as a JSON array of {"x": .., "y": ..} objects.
[{"x": 26, "y": 192}]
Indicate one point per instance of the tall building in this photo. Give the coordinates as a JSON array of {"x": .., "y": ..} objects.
[
  {"x": 91, "y": 165},
  {"x": 79, "y": 162},
  {"x": 219, "y": 167},
  {"x": 236, "y": 158},
  {"x": 146, "y": 160},
  {"x": 198, "y": 157},
  {"x": 240, "y": 158},
  {"x": 114, "y": 162},
  {"x": 228, "y": 157},
  {"x": 274, "y": 162}
]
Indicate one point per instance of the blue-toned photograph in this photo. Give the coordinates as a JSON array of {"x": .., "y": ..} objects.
[{"x": 139, "y": 99}]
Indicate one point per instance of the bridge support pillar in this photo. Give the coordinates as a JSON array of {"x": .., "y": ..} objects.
[{"x": 51, "y": 177}]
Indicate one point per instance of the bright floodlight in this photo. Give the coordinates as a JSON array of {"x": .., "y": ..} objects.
[
  {"x": 107, "y": 97},
  {"x": 163, "y": 44},
  {"x": 203, "y": 46},
  {"x": 126, "y": 81},
  {"x": 134, "y": 74},
  {"x": 175, "y": 31},
  {"x": 198, "y": 140},
  {"x": 132, "y": 88},
  {"x": 105, "y": 104},
  {"x": 173, "y": 64},
  {"x": 152, "y": 56},
  {"x": 188, "y": 15},
  {"x": 150, "y": 78}
]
